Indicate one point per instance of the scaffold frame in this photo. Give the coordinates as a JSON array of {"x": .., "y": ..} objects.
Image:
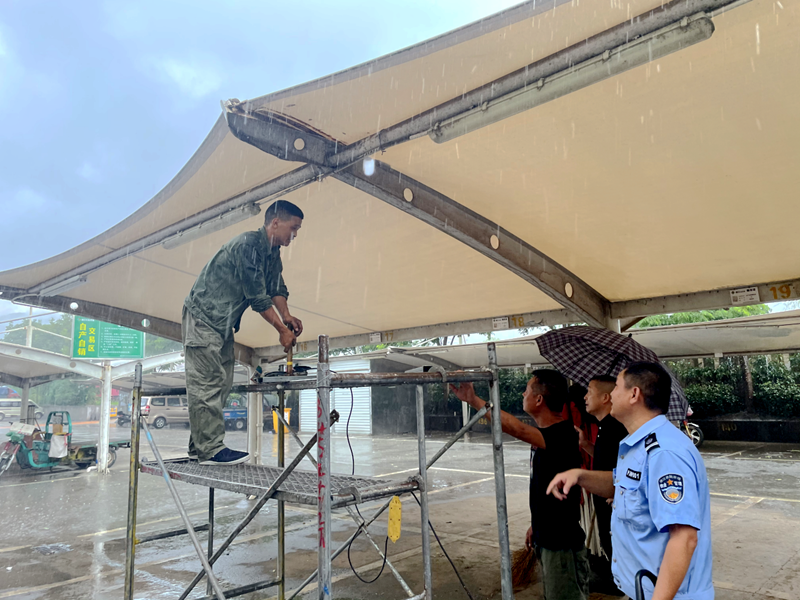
[{"x": 318, "y": 488}]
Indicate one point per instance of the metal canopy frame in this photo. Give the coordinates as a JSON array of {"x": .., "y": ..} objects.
[{"x": 320, "y": 488}]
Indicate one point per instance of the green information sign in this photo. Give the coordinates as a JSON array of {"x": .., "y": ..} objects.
[{"x": 96, "y": 339}]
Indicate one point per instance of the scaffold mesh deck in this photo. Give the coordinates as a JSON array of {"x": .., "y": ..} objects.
[{"x": 299, "y": 488}]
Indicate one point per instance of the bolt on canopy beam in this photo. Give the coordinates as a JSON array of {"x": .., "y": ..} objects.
[{"x": 487, "y": 237}]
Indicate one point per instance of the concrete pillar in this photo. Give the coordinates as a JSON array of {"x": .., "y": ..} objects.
[
  {"x": 105, "y": 420},
  {"x": 787, "y": 362},
  {"x": 255, "y": 422},
  {"x": 29, "y": 329},
  {"x": 23, "y": 405}
]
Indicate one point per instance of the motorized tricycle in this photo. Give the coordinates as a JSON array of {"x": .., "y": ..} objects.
[{"x": 52, "y": 447}]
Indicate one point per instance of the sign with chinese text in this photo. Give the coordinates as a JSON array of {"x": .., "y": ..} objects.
[{"x": 96, "y": 339}]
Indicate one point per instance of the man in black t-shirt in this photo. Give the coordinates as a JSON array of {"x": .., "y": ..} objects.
[
  {"x": 604, "y": 453},
  {"x": 555, "y": 531}
]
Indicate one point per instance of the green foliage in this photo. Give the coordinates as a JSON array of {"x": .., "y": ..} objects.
[
  {"x": 776, "y": 389},
  {"x": 778, "y": 398},
  {"x": 60, "y": 325},
  {"x": 154, "y": 345},
  {"x": 66, "y": 391},
  {"x": 703, "y": 315},
  {"x": 711, "y": 399}
]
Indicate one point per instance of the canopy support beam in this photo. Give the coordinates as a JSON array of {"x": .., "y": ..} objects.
[
  {"x": 708, "y": 300},
  {"x": 484, "y": 236}
]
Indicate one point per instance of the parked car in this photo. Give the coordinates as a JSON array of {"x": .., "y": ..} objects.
[
  {"x": 160, "y": 411},
  {"x": 9, "y": 409}
]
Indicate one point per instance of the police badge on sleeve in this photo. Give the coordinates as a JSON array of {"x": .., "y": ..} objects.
[{"x": 671, "y": 487}]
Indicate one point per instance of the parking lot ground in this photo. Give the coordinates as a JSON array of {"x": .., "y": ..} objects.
[{"x": 63, "y": 533}]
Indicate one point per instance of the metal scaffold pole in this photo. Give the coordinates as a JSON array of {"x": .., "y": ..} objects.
[
  {"x": 281, "y": 506},
  {"x": 204, "y": 560},
  {"x": 423, "y": 482},
  {"x": 324, "y": 470},
  {"x": 133, "y": 483},
  {"x": 500, "y": 478}
]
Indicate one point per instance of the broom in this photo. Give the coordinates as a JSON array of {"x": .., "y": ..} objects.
[{"x": 523, "y": 568}]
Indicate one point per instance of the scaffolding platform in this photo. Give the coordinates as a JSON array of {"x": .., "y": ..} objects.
[
  {"x": 300, "y": 487},
  {"x": 319, "y": 487}
]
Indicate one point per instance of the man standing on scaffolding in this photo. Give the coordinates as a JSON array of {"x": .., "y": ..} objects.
[{"x": 244, "y": 272}]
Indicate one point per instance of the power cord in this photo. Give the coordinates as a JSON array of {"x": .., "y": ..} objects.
[
  {"x": 447, "y": 556},
  {"x": 350, "y": 545},
  {"x": 347, "y": 432}
]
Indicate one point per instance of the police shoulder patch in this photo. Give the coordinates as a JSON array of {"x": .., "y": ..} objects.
[
  {"x": 671, "y": 487},
  {"x": 651, "y": 442}
]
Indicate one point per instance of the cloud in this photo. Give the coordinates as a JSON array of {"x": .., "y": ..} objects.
[
  {"x": 26, "y": 202},
  {"x": 193, "y": 80},
  {"x": 90, "y": 173}
]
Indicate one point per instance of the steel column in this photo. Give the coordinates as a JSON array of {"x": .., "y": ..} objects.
[
  {"x": 23, "y": 404},
  {"x": 105, "y": 420},
  {"x": 423, "y": 480},
  {"x": 133, "y": 484},
  {"x": 255, "y": 421},
  {"x": 324, "y": 590},
  {"x": 209, "y": 590},
  {"x": 500, "y": 479}
]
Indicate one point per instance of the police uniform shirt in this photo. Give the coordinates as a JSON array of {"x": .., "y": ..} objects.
[{"x": 660, "y": 480}]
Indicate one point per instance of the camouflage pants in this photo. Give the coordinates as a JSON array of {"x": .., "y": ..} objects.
[{"x": 209, "y": 375}]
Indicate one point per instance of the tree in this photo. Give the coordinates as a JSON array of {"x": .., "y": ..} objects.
[
  {"x": 703, "y": 316},
  {"x": 61, "y": 325}
]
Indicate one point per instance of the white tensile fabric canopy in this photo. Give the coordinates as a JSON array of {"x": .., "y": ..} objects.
[{"x": 669, "y": 186}]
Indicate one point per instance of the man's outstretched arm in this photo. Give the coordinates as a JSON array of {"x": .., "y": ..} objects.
[
  {"x": 600, "y": 483},
  {"x": 511, "y": 425}
]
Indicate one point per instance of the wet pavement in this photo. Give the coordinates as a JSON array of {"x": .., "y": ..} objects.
[{"x": 63, "y": 533}]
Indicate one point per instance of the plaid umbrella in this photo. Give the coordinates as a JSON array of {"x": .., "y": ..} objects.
[{"x": 581, "y": 353}]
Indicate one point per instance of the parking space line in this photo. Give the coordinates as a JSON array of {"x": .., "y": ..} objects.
[
  {"x": 475, "y": 472},
  {"x": 10, "y": 485},
  {"x": 760, "y": 498},
  {"x": 732, "y": 512},
  {"x": 740, "y": 451}
]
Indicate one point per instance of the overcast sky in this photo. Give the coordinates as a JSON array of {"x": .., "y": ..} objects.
[{"x": 104, "y": 102}]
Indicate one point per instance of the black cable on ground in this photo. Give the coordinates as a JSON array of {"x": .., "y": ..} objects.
[{"x": 447, "y": 556}]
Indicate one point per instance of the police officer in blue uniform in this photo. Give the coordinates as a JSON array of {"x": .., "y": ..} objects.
[{"x": 662, "y": 517}]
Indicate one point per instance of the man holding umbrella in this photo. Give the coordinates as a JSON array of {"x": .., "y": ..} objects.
[{"x": 662, "y": 518}]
